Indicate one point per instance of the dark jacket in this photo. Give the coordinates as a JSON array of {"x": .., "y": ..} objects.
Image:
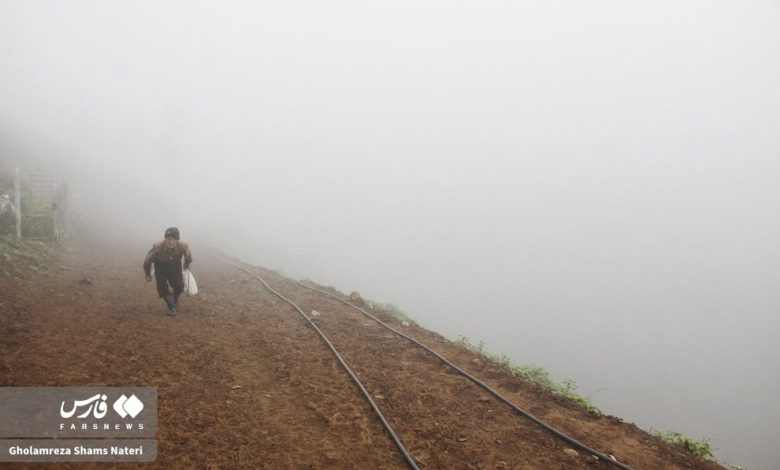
[{"x": 160, "y": 254}]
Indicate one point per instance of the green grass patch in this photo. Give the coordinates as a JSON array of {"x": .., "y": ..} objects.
[
  {"x": 701, "y": 448},
  {"x": 531, "y": 373}
]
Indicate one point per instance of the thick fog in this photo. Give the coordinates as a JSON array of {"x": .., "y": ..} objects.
[{"x": 588, "y": 186}]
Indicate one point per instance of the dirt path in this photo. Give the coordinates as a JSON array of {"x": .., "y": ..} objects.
[{"x": 244, "y": 382}]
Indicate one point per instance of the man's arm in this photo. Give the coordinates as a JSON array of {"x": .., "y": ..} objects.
[
  {"x": 187, "y": 256},
  {"x": 148, "y": 260}
]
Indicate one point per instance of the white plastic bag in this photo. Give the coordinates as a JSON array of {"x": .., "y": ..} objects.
[{"x": 190, "y": 286}]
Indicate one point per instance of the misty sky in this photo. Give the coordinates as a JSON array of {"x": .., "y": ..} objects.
[{"x": 590, "y": 186}]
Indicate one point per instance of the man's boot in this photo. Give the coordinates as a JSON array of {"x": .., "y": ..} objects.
[{"x": 171, "y": 303}]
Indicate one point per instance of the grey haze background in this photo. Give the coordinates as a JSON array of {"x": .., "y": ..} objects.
[{"x": 589, "y": 186}]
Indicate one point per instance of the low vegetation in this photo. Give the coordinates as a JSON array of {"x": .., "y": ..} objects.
[
  {"x": 568, "y": 388},
  {"x": 532, "y": 373},
  {"x": 34, "y": 254},
  {"x": 701, "y": 448}
]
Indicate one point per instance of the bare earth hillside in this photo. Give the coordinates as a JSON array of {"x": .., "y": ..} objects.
[{"x": 245, "y": 382}]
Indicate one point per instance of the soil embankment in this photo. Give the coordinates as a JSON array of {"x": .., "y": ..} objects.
[{"x": 244, "y": 381}]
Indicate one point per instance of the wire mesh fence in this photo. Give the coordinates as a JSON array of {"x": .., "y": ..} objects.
[{"x": 40, "y": 200}]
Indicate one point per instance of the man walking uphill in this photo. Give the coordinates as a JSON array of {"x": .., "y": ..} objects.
[{"x": 167, "y": 258}]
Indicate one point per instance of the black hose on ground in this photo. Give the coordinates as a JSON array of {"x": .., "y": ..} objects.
[
  {"x": 407, "y": 456},
  {"x": 609, "y": 459}
]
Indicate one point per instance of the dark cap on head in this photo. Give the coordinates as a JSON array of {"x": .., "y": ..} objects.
[{"x": 172, "y": 232}]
